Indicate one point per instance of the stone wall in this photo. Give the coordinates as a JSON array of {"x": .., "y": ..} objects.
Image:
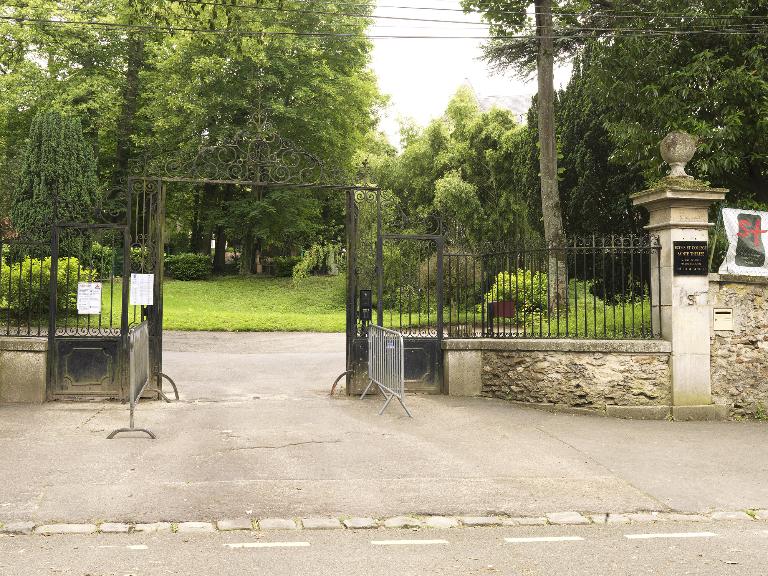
[
  {"x": 739, "y": 357},
  {"x": 578, "y": 379},
  {"x": 587, "y": 374},
  {"x": 23, "y": 364}
]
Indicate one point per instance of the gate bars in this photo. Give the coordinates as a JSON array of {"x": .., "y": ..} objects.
[{"x": 386, "y": 365}]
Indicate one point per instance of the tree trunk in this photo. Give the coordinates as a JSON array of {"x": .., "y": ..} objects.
[
  {"x": 220, "y": 250},
  {"x": 550, "y": 196},
  {"x": 125, "y": 123},
  {"x": 246, "y": 255}
]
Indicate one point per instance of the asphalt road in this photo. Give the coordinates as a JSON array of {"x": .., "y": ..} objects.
[{"x": 669, "y": 549}]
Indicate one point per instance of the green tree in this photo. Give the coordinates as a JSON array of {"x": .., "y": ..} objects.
[{"x": 58, "y": 177}]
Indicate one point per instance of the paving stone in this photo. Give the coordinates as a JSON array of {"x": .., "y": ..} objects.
[
  {"x": 66, "y": 529},
  {"x": 234, "y": 524},
  {"x": 114, "y": 528},
  {"x": 441, "y": 522},
  {"x": 277, "y": 524},
  {"x": 321, "y": 523},
  {"x": 677, "y": 517},
  {"x": 617, "y": 519},
  {"x": 644, "y": 517},
  {"x": 18, "y": 528},
  {"x": 598, "y": 518},
  {"x": 481, "y": 521},
  {"x": 525, "y": 521},
  {"x": 761, "y": 514},
  {"x": 153, "y": 527},
  {"x": 360, "y": 523},
  {"x": 566, "y": 518},
  {"x": 195, "y": 527},
  {"x": 402, "y": 522},
  {"x": 732, "y": 515}
]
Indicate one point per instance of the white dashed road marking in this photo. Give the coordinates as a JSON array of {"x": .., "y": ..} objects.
[
  {"x": 130, "y": 547},
  {"x": 267, "y": 545},
  {"x": 407, "y": 542},
  {"x": 670, "y": 535},
  {"x": 544, "y": 539}
]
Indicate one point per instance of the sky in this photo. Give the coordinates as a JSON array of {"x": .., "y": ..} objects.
[{"x": 421, "y": 75}]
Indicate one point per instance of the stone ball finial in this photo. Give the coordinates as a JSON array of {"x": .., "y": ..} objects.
[{"x": 677, "y": 149}]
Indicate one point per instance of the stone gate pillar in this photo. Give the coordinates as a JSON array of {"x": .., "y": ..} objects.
[{"x": 678, "y": 206}]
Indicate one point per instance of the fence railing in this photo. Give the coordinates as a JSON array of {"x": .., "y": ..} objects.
[
  {"x": 594, "y": 287},
  {"x": 24, "y": 287},
  {"x": 386, "y": 365}
]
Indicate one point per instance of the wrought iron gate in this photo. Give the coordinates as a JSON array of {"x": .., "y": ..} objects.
[{"x": 410, "y": 301}]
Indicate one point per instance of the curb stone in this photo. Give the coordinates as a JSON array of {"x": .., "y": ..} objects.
[
  {"x": 441, "y": 522},
  {"x": 47, "y": 529},
  {"x": 477, "y": 521},
  {"x": 234, "y": 524},
  {"x": 195, "y": 527},
  {"x": 321, "y": 523},
  {"x": 732, "y": 515},
  {"x": 18, "y": 528},
  {"x": 114, "y": 528},
  {"x": 362, "y": 523},
  {"x": 277, "y": 524},
  {"x": 402, "y": 522},
  {"x": 154, "y": 527},
  {"x": 526, "y": 521},
  {"x": 567, "y": 518}
]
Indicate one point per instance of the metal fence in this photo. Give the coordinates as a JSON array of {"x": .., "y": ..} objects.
[
  {"x": 24, "y": 287},
  {"x": 386, "y": 365},
  {"x": 594, "y": 287},
  {"x": 139, "y": 374}
]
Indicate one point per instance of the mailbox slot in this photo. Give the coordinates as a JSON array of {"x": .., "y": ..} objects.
[{"x": 723, "y": 319}]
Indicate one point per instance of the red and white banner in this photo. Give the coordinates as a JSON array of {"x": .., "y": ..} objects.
[{"x": 747, "y": 233}]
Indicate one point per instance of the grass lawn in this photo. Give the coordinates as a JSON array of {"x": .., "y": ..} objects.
[{"x": 242, "y": 304}]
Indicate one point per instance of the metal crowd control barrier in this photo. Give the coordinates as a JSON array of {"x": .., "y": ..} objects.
[
  {"x": 139, "y": 373},
  {"x": 386, "y": 365}
]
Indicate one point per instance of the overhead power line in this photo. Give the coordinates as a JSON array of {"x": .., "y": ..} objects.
[{"x": 753, "y": 31}]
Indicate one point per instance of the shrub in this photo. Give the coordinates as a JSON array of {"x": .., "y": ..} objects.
[
  {"x": 188, "y": 266},
  {"x": 283, "y": 266},
  {"x": 527, "y": 289},
  {"x": 28, "y": 289},
  {"x": 318, "y": 259}
]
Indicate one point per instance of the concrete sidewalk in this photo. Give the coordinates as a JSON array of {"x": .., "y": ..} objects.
[{"x": 257, "y": 435}]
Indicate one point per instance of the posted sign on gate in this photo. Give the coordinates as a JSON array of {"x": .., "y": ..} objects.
[
  {"x": 142, "y": 289},
  {"x": 89, "y": 297}
]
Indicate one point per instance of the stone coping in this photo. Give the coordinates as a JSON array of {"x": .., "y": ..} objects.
[
  {"x": 23, "y": 344},
  {"x": 738, "y": 279},
  {"x": 560, "y": 345}
]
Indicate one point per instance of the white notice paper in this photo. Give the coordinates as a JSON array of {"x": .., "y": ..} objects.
[
  {"x": 142, "y": 289},
  {"x": 89, "y": 297}
]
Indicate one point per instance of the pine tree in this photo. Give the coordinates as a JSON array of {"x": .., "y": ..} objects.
[{"x": 58, "y": 177}]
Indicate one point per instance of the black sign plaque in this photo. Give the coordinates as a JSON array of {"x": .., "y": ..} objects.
[{"x": 690, "y": 258}]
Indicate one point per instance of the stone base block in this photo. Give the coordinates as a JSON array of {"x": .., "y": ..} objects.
[
  {"x": 23, "y": 367},
  {"x": 639, "y": 412},
  {"x": 702, "y": 412},
  {"x": 463, "y": 369}
]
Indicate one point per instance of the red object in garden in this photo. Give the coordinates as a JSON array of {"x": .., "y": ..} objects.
[{"x": 504, "y": 308}]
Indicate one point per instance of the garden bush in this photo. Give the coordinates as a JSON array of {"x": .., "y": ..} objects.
[
  {"x": 527, "y": 289},
  {"x": 188, "y": 266},
  {"x": 282, "y": 266},
  {"x": 28, "y": 289},
  {"x": 319, "y": 259}
]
